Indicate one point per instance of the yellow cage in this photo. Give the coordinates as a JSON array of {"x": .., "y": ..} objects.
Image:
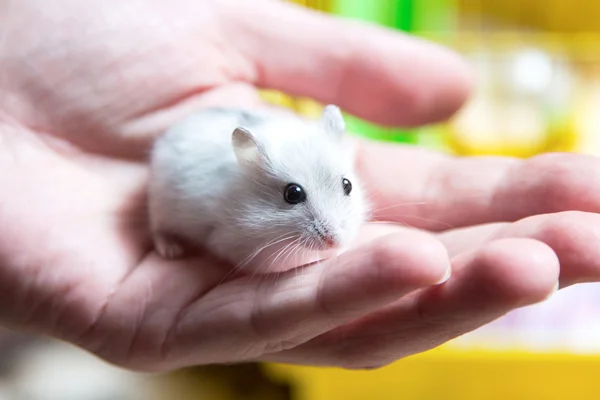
[{"x": 449, "y": 373}]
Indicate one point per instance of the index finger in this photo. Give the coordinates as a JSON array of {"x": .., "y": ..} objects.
[{"x": 374, "y": 73}]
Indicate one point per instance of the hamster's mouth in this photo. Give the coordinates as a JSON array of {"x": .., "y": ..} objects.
[
  {"x": 324, "y": 243},
  {"x": 290, "y": 254}
]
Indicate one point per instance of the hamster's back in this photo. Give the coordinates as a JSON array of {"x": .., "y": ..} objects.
[
  {"x": 197, "y": 151},
  {"x": 193, "y": 164}
]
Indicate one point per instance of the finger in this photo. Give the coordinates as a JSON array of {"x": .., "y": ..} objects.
[
  {"x": 247, "y": 318},
  {"x": 486, "y": 284},
  {"x": 574, "y": 236},
  {"x": 377, "y": 74},
  {"x": 137, "y": 134},
  {"x": 436, "y": 192},
  {"x": 144, "y": 306}
]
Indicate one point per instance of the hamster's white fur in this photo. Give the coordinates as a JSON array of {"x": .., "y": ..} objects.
[{"x": 218, "y": 180}]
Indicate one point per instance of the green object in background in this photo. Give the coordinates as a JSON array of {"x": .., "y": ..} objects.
[
  {"x": 382, "y": 12},
  {"x": 404, "y": 14},
  {"x": 434, "y": 15},
  {"x": 375, "y": 10},
  {"x": 413, "y": 16}
]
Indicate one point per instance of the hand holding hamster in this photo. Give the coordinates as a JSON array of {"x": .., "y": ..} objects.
[
  {"x": 256, "y": 188},
  {"x": 76, "y": 261}
]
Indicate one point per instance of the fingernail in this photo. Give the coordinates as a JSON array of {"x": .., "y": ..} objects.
[
  {"x": 554, "y": 290},
  {"x": 447, "y": 275}
]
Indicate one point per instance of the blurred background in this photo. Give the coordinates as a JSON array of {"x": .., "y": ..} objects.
[{"x": 537, "y": 65}]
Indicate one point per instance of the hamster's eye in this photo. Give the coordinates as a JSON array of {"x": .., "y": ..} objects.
[
  {"x": 347, "y": 186},
  {"x": 294, "y": 193}
]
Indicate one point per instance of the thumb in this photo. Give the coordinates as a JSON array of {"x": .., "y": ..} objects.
[{"x": 377, "y": 74}]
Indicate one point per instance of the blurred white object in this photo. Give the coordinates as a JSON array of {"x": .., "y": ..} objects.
[
  {"x": 567, "y": 322},
  {"x": 531, "y": 71},
  {"x": 57, "y": 371},
  {"x": 521, "y": 106},
  {"x": 4, "y": 391}
]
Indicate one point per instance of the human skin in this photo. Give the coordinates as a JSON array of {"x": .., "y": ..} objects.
[{"x": 86, "y": 86}]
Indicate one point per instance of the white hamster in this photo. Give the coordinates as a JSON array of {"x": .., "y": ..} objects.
[{"x": 255, "y": 188}]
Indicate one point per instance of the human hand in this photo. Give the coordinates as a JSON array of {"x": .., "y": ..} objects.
[{"x": 85, "y": 92}]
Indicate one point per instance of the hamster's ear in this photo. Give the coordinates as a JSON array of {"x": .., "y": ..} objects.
[
  {"x": 333, "y": 121},
  {"x": 247, "y": 149}
]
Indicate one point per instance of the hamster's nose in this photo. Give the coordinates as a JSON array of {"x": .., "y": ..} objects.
[
  {"x": 330, "y": 241},
  {"x": 326, "y": 237}
]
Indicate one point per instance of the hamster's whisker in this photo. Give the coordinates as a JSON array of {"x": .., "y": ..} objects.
[
  {"x": 297, "y": 264},
  {"x": 293, "y": 254},
  {"x": 249, "y": 258},
  {"x": 272, "y": 242},
  {"x": 431, "y": 220},
  {"x": 281, "y": 253},
  {"x": 268, "y": 258},
  {"x": 386, "y": 223},
  {"x": 402, "y": 223},
  {"x": 444, "y": 224},
  {"x": 286, "y": 255},
  {"x": 304, "y": 246},
  {"x": 401, "y": 205}
]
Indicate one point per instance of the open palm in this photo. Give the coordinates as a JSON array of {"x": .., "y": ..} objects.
[{"x": 84, "y": 93}]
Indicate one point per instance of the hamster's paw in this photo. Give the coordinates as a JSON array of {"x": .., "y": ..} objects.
[{"x": 167, "y": 246}]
